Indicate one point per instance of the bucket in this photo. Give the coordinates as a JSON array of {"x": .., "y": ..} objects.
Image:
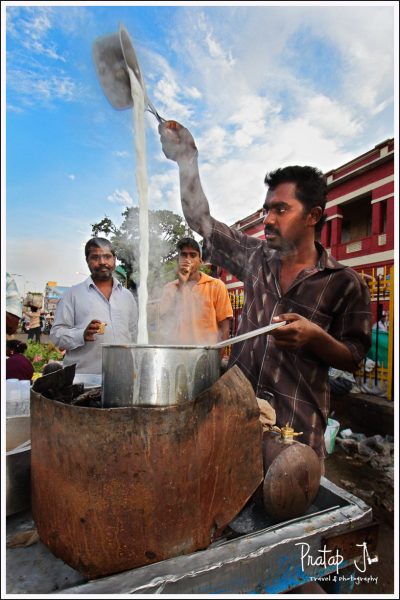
[{"x": 330, "y": 435}]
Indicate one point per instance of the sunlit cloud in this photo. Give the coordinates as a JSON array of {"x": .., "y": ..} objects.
[
  {"x": 120, "y": 197},
  {"x": 121, "y": 153}
]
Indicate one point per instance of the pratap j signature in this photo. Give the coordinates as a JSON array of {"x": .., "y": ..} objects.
[{"x": 328, "y": 558}]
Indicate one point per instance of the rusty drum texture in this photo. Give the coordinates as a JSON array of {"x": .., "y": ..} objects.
[
  {"x": 156, "y": 375},
  {"x": 292, "y": 477},
  {"x": 117, "y": 488}
]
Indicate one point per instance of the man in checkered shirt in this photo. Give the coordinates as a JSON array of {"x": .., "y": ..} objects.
[{"x": 287, "y": 277}]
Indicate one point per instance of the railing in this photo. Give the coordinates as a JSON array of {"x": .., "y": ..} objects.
[
  {"x": 379, "y": 284},
  {"x": 237, "y": 300},
  {"x": 375, "y": 381},
  {"x": 381, "y": 377}
]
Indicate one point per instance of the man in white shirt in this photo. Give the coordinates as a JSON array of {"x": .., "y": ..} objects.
[{"x": 97, "y": 311}]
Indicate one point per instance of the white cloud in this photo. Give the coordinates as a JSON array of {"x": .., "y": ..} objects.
[
  {"x": 120, "y": 197},
  {"x": 331, "y": 117},
  {"x": 34, "y": 73},
  {"x": 228, "y": 68},
  {"x": 166, "y": 94},
  {"x": 121, "y": 153},
  {"x": 29, "y": 85},
  {"x": 32, "y": 29},
  {"x": 72, "y": 176},
  {"x": 364, "y": 36},
  {"x": 214, "y": 143},
  {"x": 164, "y": 191}
]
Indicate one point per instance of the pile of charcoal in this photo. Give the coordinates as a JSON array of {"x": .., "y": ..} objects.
[
  {"x": 376, "y": 450},
  {"x": 58, "y": 385}
]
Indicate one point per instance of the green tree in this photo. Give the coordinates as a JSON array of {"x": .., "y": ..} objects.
[{"x": 165, "y": 229}]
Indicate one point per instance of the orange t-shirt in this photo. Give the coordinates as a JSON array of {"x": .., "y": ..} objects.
[{"x": 190, "y": 314}]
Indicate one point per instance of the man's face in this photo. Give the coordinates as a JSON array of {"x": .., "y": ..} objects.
[
  {"x": 285, "y": 221},
  {"x": 189, "y": 258},
  {"x": 101, "y": 263}
]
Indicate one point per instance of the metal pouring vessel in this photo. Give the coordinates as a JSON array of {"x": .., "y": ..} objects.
[
  {"x": 162, "y": 375},
  {"x": 112, "y": 55}
]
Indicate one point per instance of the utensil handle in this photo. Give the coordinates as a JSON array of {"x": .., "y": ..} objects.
[
  {"x": 250, "y": 334},
  {"x": 151, "y": 109}
]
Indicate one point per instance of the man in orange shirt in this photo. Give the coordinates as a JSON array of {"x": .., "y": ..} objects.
[{"x": 195, "y": 308}]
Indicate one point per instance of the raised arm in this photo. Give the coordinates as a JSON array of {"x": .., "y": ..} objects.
[{"x": 178, "y": 145}]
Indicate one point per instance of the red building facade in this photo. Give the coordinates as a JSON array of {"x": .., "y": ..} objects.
[{"x": 359, "y": 230}]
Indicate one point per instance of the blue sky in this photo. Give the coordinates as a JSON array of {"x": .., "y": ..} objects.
[{"x": 259, "y": 86}]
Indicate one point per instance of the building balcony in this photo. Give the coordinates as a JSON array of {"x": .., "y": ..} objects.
[{"x": 365, "y": 246}]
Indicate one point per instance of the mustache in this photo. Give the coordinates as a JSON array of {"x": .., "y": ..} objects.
[{"x": 270, "y": 229}]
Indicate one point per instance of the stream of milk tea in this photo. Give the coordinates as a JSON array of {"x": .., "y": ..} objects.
[{"x": 142, "y": 187}]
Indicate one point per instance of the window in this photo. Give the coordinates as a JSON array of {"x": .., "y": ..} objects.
[
  {"x": 382, "y": 216},
  {"x": 357, "y": 219},
  {"x": 328, "y": 233}
]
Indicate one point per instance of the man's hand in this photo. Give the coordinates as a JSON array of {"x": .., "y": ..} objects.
[
  {"x": 177, "y": 142},
  {"x": 298, "y": 332},
  {"x": 267, "y": 414},
  {"x": 184, "y": 270},
  {"x": 183, "y": 276},
  {"x": 91, "y": 330}
]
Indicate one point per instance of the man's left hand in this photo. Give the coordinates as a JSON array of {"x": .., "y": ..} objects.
[
  {"x": 267, "y": 414},
  {"x": 298, "y": 332}
]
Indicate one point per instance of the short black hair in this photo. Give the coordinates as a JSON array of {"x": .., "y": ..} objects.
[
  {"x": 51, "y": 367},
  {"x": 187, "y": 241},
  {"x": 16, "y": 346},
  {"x": 311, "y": 186},
  {"x": 97, "y": 242}
]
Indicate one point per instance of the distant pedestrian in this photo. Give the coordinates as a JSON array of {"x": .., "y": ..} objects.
[
  {"x": 382, "y": 324},
  {"x": 34, "y": 323}
]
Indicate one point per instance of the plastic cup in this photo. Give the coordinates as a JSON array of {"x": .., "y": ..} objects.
[{"x": 330, "y": 435}]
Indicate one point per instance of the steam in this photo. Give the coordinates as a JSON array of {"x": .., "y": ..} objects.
[{"x": 185, "y": 318}]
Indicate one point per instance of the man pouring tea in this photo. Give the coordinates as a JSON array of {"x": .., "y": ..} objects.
[{"x": 287, "y": 277}]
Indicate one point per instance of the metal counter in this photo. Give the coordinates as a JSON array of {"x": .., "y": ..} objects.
[{"x": 255, "y": 556}]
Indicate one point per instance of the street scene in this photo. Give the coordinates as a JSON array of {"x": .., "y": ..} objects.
[{"x": 200, "y": 368}]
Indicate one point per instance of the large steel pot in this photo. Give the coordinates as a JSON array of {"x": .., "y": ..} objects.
[{"x": 157, "y": 375}]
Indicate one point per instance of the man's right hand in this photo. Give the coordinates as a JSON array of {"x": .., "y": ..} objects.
[
  {"x": 91, "y": 330},
  {"x": 177, "y": 142},
  {"x": 183, "y": 274}
]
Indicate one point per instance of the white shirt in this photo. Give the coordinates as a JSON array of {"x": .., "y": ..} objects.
[{"x": 81, "y": 304}]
